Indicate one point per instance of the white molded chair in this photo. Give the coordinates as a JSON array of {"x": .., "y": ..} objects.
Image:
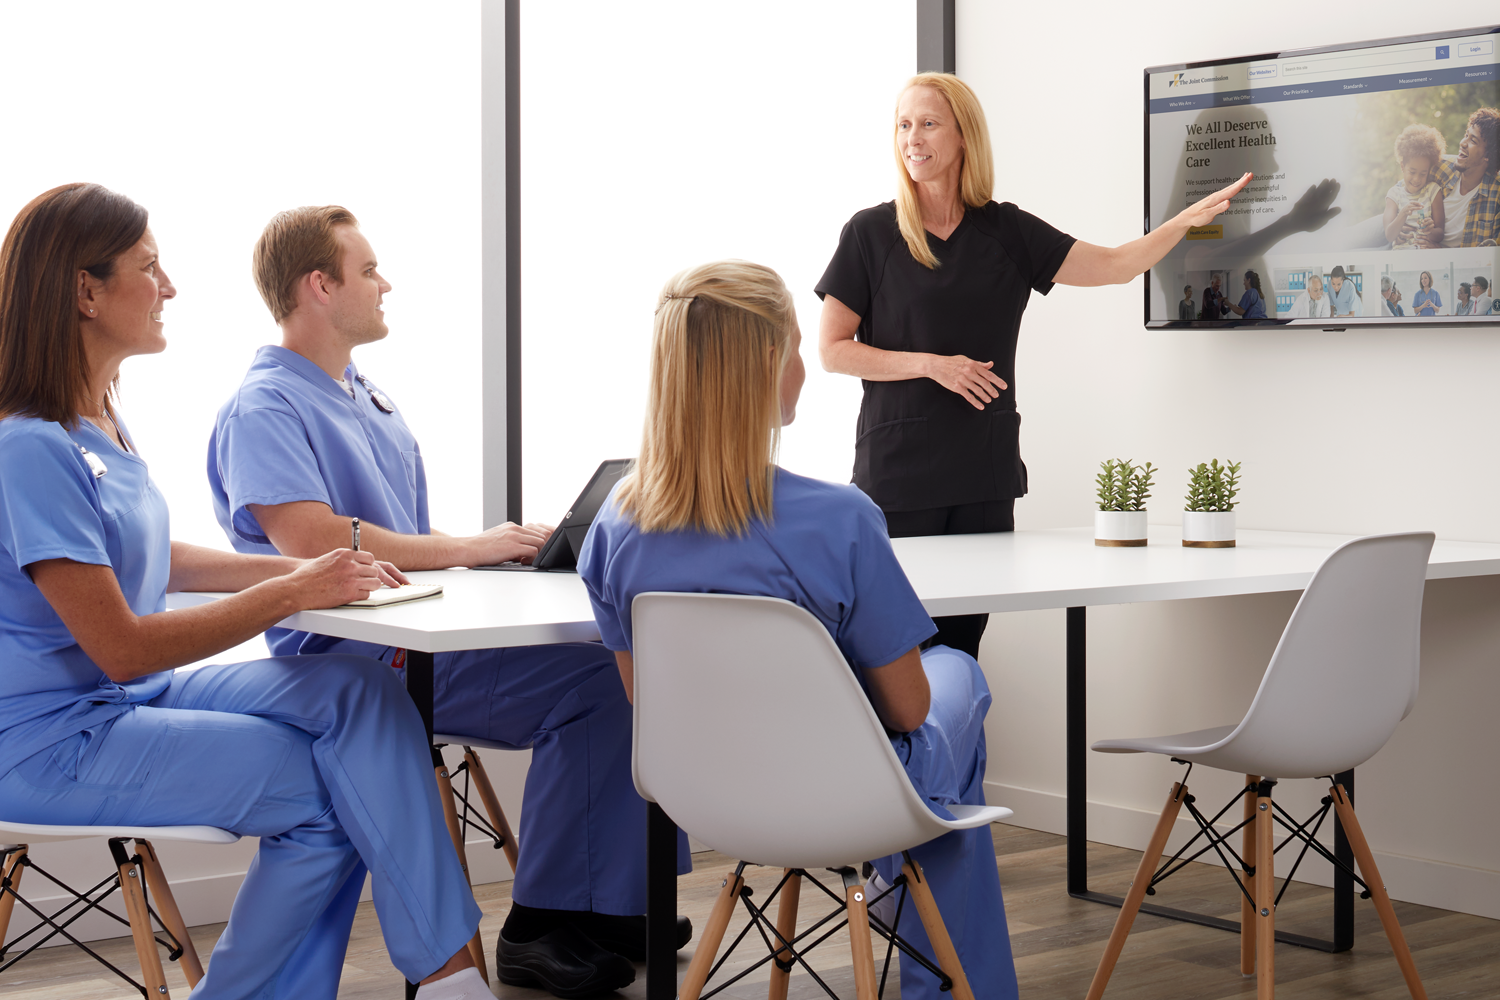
[
  {"x": 753, "y": 734},
  {"x": 1343, "y": 676},
  {"x": 131, "y": 870}
]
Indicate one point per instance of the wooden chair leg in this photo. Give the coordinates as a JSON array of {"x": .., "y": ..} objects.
[
  {"x": 786, "y": 926},
  {"x": 1265, "y": 896},
  {"x": 1137, "y": 893},
  {"x": 456, "y": 834},
  {"x": 937, "y": 931},
  {"x": 492, "y": 806},
  {"x": 11, "y": 873},
  {"x": 712, "y": 936},
  {"x": 1247, "y": 908},
  {"x": 861, "y": 948},
  {"x": 166, "y": 908},
  {"x": 1378, "y": 894},
  {"x": 140, "y": 924}
]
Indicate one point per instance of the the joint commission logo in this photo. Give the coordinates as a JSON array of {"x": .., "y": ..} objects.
[{"x": 1183, "y": 80}]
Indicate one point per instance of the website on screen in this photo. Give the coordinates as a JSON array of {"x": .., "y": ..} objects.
[{"x": 1375, "y": 195}]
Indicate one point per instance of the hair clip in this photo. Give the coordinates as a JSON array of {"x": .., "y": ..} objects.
[{"x": 670, "y": 296}]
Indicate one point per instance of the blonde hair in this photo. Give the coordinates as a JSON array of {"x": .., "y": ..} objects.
[
  {"x": 713, "y": 412},
  {"x": 295, "y": 243},
  {"x": 977, "y": 179}
]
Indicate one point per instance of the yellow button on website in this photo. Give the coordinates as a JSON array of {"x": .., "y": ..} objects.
[{"x": 1206, "y": 233}]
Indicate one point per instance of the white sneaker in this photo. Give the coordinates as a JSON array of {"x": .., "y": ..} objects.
[{"x": 465, "y": 985}]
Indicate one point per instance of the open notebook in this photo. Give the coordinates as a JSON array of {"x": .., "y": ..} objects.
[{"x": 398, "y": 595}]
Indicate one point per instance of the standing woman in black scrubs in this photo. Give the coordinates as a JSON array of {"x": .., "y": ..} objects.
[{"x": 923, "y": 301}]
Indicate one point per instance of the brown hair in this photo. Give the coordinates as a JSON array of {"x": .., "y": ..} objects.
[
  {"x": 1420, "y": 140},
  {"x": 297, "y": 242},
  {"x": 976, "y": 182},
  {"x": 713, "y": 412},
  {"x": 44, "y": 372}
]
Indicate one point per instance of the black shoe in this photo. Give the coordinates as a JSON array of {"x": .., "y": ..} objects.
[
  {"x": 563, "y": 962},
  {"x": 625, "y": 935}
]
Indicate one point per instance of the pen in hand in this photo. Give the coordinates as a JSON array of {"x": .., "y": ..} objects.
[{"x": 354, "y": 542}]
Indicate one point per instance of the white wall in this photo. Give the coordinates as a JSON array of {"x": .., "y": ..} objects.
[
  {"x": 215, "y": 117},
  {"x": 1364, "y": 431},
  {"x": 662, "y": 136}
]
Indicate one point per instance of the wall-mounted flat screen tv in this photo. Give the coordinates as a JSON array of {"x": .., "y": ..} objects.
[{"x": 1376, "y": 198}]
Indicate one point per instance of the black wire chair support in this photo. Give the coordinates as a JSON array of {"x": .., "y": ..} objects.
[
  {"x": 799, "y": 946},
  {"x": 91, "y": 899},
  {"x": 470, "y": 818},
  {"x": 1220, "y": 843}
]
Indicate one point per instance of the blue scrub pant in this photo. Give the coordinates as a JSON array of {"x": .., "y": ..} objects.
[
  {"x": 945, "y": 760},
  {"x": 582, "y": 834},
  {"x": 323, "y": 758}
]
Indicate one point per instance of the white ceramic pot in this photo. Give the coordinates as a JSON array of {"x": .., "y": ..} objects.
[
  {"x": 1208, "y": 529},
  {"x": 1120, "y": 527}
]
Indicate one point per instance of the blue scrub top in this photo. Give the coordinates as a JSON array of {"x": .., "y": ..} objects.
[
  {"x": 1253, "y": 304},
  {"x": 52, "y": 506},
  {"x": 825, "y": 549},
  {"x": 1343, "y": 299},
  {"x": 292, "y": 433}
]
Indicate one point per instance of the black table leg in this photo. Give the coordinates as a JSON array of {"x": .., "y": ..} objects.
[
  {"x": 1343, "y": 883},
  {"x": 661, "y": 904},
  {"x": 419, "y": 687},
  {"x": 1078, "y": 778}
]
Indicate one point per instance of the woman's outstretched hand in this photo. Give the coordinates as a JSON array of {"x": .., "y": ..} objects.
[
  {"x": 971, "y": 379},
  {"x": 341, "y": 576},
  {"x": 1202, "y": 212}
]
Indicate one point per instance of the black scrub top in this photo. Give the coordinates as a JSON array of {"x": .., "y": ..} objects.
[{"x": 919, "y": 445}]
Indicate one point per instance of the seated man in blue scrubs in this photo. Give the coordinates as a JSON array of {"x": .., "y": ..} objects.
[
  {"x": 305, "y": 444},
  {"x": 321, "y": 757},
  {"x": 707, "y": 511}
]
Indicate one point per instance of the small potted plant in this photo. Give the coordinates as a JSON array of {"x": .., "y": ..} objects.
[
  {"x": 1208, "y": 520},
  {"x": 1124, "y": 489}
]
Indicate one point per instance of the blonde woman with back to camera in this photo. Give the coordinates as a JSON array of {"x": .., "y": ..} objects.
[{"x": 708, "y": 510}]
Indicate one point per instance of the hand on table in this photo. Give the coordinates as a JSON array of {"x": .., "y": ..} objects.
[
  {"x": 971, "y": 379},
  {"x": 341, "y": 576}
]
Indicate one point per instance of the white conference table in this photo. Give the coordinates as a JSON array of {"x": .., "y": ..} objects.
[{"x": 952, "y": 575}]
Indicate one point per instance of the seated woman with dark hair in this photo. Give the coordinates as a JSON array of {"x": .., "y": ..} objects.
[
  {"x": 322, "y": 757},
  {"x": 706, "y": 510}
]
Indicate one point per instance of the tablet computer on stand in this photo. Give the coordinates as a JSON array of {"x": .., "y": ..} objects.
[{"x": 560, "y": 552}]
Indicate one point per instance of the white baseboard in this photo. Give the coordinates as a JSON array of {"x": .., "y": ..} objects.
[{"x": 1413, "y": 880}]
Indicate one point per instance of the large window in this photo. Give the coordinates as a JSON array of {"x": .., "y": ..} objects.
[
  {"x": 215, "y": 119},
  {"x": 659, "y": 136}
]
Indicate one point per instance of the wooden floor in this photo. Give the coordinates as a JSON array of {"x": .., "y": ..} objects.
[{"x": 1057, "y": 941}]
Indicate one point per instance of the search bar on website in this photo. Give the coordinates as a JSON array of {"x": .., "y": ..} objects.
[{"x": 1337, "y": 64}]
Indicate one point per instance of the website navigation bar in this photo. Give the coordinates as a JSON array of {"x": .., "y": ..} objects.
[{"x": 1305, "y": 90}]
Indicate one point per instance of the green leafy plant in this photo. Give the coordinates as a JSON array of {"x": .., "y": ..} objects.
[
  {"x": 1213, "y": 487},
  {"x": 1123, "y": 486}
]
